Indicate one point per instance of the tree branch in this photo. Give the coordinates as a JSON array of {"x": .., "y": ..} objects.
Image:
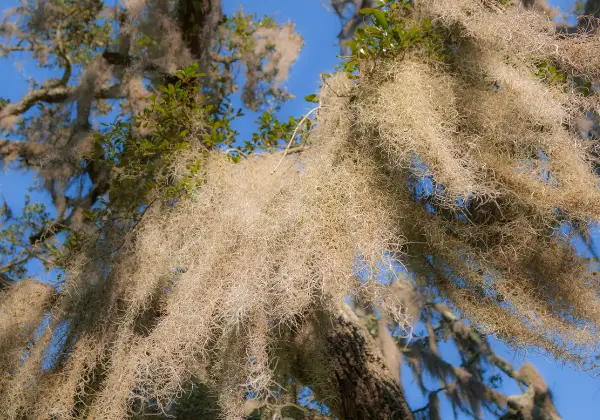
[
  {"x": 55, "y": 93},
  {"x": 7, "y": 49},
  {"x": 123, "y": 60},
  {"x": 288, "y": 147},
  {"x": 74, "y": 218},
  {"x": 198, "y": 21},
  {"x": 49, "y": 95},
  {"x": 25, "y": 150},
  {"x": 471, "y": 335}
]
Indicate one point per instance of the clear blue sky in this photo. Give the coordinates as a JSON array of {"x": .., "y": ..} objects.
[{"x": 577, "y": 395}]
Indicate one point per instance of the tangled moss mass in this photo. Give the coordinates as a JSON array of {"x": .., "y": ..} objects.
[{"x": 447, "y": 146}]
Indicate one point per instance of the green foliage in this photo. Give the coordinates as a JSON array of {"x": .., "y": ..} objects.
[
  {"x": 141, "y": 151},
  {"x": 72, "y": 27},
  {"x": 548, "y": 72},
  {"x": 84, "y": 33},
  {"x": 15, "y": 249},
  {"x": 392, "y": 31},
  {"x": 271, "y": 133},
  {"x": 312, "y": 98}
]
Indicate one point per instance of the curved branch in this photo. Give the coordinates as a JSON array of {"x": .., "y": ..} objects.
[
  {"x": 24, "y": 150},
  {"x": 289, "y": 145},
  {"x": 480, "y": 343},
  {"x": 49, "y": 95},
  {"x": 53, "y": 95}
]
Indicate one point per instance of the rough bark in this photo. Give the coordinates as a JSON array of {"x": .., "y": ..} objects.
[
  {"x": 367, "y": 388},
  {"x": 356, "y": 382},
  {"x": 199, "y": 22},
  {"x": 592, "y": 8}
]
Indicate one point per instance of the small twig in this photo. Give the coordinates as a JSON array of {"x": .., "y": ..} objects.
[
  {"x": 20, "y": 260},
  {"x": 238, "y": 151},
  {"x": 326, "y": 7},
  {"x": 298, "y": 149},
  {"x": 287, "y": 149},
  {"x": 437, "y": 391}
]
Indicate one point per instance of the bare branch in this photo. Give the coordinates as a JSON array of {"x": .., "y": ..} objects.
[
  {"x": 23, "y": 258},
  {"x": 287, "y": 149}
]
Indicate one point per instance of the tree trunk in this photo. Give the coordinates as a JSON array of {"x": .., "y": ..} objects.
[
  {"x": 356, "y": 382},
  {"x": 198, "y": 23}
]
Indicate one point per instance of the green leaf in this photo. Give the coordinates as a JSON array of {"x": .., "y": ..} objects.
[
  {"x": 380, "y": 18},
  {"x": 311, "y": 98},
  {"x": 367, "y": 11}
]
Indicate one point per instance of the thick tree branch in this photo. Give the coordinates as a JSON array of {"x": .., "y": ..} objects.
[
  {"x": 49, "y": 95},
  {"x": 119, "y": 59},
  {"x": 357, "y": 383},
  {"x": 198, "y": 23},
  {"x": 25, "y": 150},
  {"x": 54, "y": 95},
  {"x": 471, "y": 335},
  {"x": 536, "y": 402}
]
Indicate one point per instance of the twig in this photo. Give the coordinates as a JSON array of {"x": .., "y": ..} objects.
[
  {"x": 238, "y": 151},
  {"x": 294, "y": 136},
  {"x": 298, "y": 149},
  {"x": 20, "y": 260},
  {"x": 437, "y": 391}
]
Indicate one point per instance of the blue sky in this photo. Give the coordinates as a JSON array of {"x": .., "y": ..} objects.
[{"x": 577, "y": 395}]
